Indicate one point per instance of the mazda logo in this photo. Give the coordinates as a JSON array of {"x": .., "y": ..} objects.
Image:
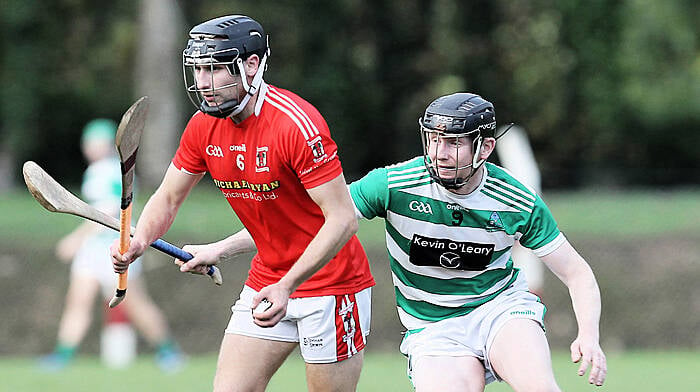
[{"x": 450, "y": 260}]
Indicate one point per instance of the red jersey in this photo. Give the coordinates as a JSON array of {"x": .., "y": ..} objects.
[{"x": 263, "y": 167}]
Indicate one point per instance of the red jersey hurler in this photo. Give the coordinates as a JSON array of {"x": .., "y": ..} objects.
[{"x": 263, "y": 167}]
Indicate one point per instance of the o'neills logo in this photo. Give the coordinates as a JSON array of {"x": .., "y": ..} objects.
[{"x": 243, "y": 184}]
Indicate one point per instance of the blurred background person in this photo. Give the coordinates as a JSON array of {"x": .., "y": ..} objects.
[
  {"x": 516, "y": 155},
  {"x": 87, "y": 247}
]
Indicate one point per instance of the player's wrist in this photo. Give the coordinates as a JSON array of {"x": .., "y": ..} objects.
[
  {"x": 287, "y": 284},
  {"x": 138, "y": 245},
  {"x": 589, "y": 336}
]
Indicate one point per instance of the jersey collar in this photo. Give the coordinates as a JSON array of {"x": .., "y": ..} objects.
[{"x": 476, "y": 191}]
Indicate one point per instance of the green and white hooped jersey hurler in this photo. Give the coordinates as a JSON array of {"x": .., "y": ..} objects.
[
  {"x": 102, "y": 188},
  {"x": 451, "y": 253}
]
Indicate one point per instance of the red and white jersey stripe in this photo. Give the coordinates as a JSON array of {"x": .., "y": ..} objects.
[{"x": 284, "y": 103}]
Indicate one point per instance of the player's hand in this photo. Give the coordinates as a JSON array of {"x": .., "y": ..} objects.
[
  {"x": 279, "y": 297},
  {"x": 120, "y": 262},
  {"x": 587, "y": 351},
  {"x": 204, "y": 256}
]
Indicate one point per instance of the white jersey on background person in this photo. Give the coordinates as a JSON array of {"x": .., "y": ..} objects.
[{"x": 101, "y": 188}]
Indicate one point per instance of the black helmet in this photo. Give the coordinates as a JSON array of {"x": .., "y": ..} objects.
[
  {"x": 227, "y": 40},
  {"x": 462, "y": 113},
  {"x": 455, "y": 116}
]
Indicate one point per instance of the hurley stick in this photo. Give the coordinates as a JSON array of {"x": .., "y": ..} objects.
[
  {"x": 127, "y": 140},
  {"x": 55, "y": 198}
]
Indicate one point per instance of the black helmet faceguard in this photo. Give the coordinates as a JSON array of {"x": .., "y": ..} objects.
[
  {"x": 227, "y": 41},
  {"x": 452, "y": 117}
]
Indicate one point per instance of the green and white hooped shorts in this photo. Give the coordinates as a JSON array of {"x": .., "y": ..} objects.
[{"x": 473, "y": 333}]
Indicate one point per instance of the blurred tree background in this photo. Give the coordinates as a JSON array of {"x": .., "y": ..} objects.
[{"x": 607, "y": 90}]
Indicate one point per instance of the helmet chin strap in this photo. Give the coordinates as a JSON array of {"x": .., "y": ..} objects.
[
  {"x": 219, "y": 111},
  {"x": 476, "y": 162},
  {"x": 254, "y": 85}
]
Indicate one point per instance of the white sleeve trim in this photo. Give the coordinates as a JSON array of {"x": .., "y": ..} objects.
[
  {"x": 550, "y": 247},
  {"x": 358, "y": 213},
  {"x": 182, "y": 169}
]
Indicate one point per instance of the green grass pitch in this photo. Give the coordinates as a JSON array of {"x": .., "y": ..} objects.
[{"x": 383, "y": 371}]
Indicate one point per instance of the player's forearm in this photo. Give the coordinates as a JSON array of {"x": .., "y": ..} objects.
[
  {"x": 332, "y": 236},
  {"x": 156, "y": 218},
  {"x": 577, "y": 275},
  {"x": 585, "y": 298},
  {"x": 160, "y": 210},
  {"x": 236, "y": 244}
]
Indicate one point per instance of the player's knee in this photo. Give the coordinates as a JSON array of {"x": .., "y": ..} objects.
[
  {"x": 537, "y": 385},
  {"x": 224, "y": 384},
  {"x": 340, "y": 376}
]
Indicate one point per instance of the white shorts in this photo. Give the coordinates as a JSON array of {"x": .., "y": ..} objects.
[
  {"x": 472, "y": 334},
  {"x": 329, "y": 328},
  {"x": 94, "y": 261}
]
